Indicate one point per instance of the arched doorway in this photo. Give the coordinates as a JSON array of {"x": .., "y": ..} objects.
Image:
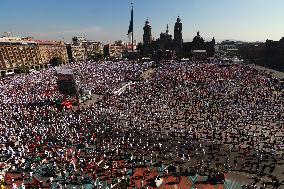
[{"x": 3, "y": 73}]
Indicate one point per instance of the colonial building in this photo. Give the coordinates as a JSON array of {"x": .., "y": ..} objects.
[
  {"x": 198, "y": 48},
  {"x": 175, "y": 46},
  {"x": 198, "y": 42},
  {"x": 76, "y": 53},
  {"x": 92, "y": 48},
  {"x": 226, "y": 45},
  {"x": 52, "y": 49},
  {"x": 269, "y": 54},
  {"x": 115, "y": 50},
  {"x": 16, "y": 52},
  {"x": 202, "y": 50}
]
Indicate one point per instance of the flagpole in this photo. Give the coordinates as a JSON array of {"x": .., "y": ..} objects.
[{"x": 132, "y": 30}]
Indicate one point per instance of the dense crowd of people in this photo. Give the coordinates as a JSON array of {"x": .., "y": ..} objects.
[{"x": 185, "y": 119}]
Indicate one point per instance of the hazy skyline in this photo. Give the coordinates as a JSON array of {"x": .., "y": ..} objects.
[{"x": 108, "y": 20}]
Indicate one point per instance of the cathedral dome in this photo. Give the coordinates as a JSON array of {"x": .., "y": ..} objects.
[
  {"x": 198, "y": 42},
  {"x": 198, "y": 37}
]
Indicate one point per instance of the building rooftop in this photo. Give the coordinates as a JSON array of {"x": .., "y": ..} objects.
[
  {"x": 48, "y": 42},
  {"x": 15, "y": 40}
]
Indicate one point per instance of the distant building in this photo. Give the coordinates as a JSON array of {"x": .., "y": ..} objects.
[
  {"x": 210, "y": 48},
  {"x": 76, "y": 53},
  {"x": 167, "y": 46},
  {"x": 52, "y": 49},
  {"x": 115, "y": 50},
  {"x": 198, "y": 42},
  {"x": 269, "y": 54},
  {"x": 77, "y": 40},
  {"x": 17, "y": 52},
  {"x": 118, "y": 49},
  {"x": 92, "y": 48},
  {"x": 226, "y": 45},
  {"x": 199, "y": 52}
]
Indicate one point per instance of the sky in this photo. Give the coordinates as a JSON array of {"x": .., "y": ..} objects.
[{"x": 108, "y": 20}]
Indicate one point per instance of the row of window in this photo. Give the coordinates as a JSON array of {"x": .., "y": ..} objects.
[
  {"x": 10, "y": 53},
  {"x": 13, "y": 60},
  {"x": 11, "y": 65},
  {"x": 17, "y": 48},
  {"x": 11, "y": 56}
]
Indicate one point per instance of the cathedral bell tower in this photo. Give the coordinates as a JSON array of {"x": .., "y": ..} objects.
[
  {"x": 147, "y": 39},
  {"x": 178, "y": 34},
  {"x": 147, "y": 36}
]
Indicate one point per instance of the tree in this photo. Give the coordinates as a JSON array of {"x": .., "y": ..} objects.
[
  {"x": 22, "y": 69},
  {"x": 100, "y": 56},
  {"x": 96, "y": 56},
  {"x": 56, "y": 61}
]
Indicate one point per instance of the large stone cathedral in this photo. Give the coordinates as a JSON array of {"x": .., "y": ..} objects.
[{"x": 174, "y": 46}]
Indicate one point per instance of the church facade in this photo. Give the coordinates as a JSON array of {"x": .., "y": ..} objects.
[{"x": 174, "y": 46}]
